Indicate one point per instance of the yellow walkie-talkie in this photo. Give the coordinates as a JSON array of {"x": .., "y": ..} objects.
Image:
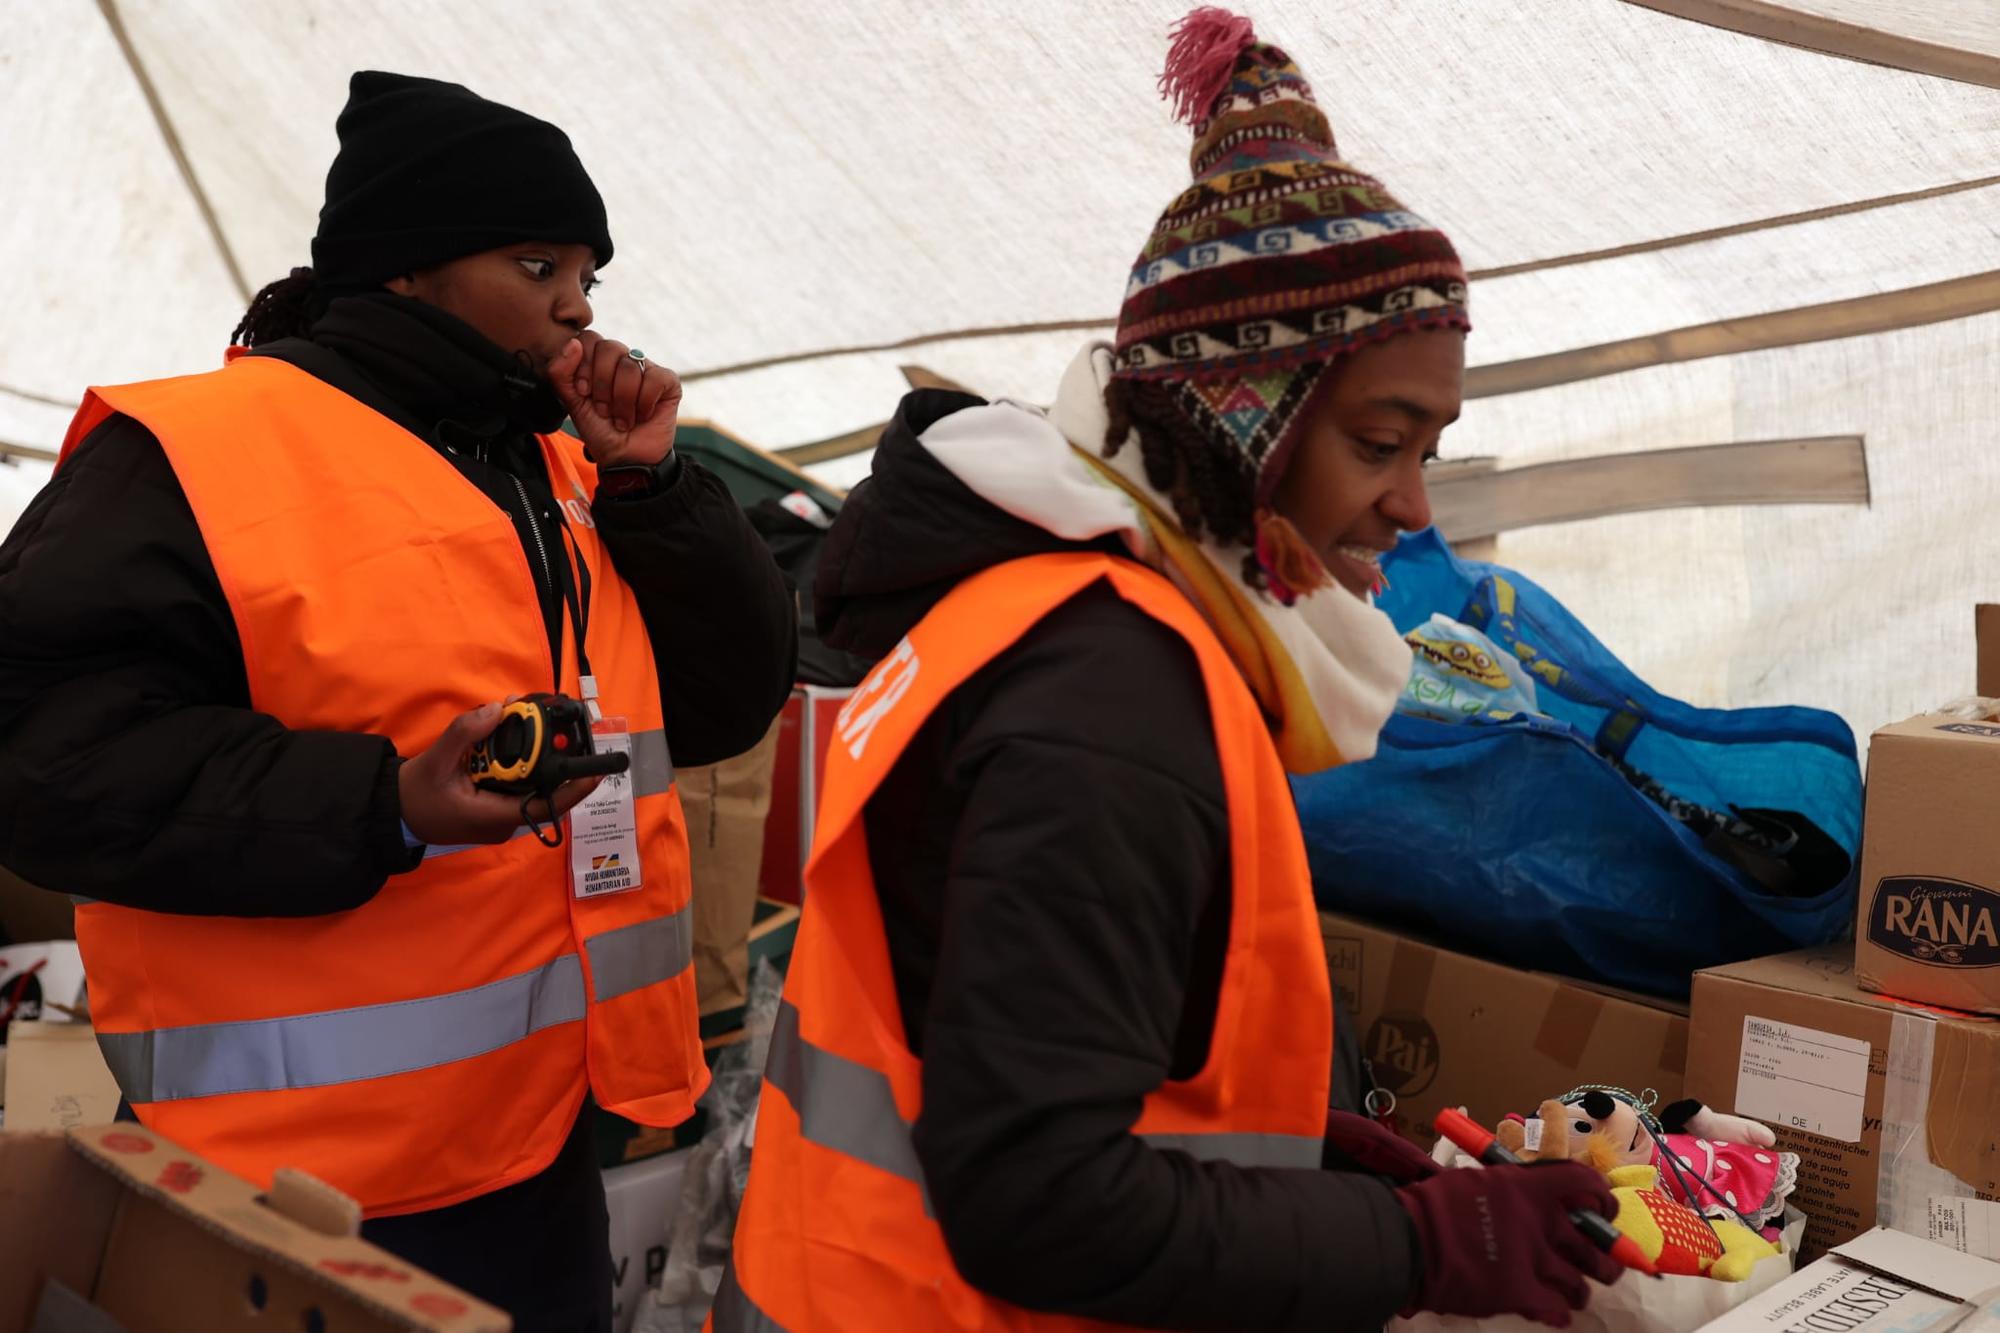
[{"x": 541, "y": 742}]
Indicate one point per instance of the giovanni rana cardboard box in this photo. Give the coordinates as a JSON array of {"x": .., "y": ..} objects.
[
  {"x": 1894, "y": 1109},
  {"x": 1441, "y": 1029},
  {"x": 113, "y": 1229},
  {"x": 1929, "y": 923}
]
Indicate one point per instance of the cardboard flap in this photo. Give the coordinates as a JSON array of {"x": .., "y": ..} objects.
[
  {"x": 1962, "y": 1277},
  {"x": 313, "y": 1203},
  {"x": 231, "y": 1209}
]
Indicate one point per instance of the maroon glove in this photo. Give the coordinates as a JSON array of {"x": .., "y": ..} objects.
[
  {"x": 1356, "y": 1143},
  {"x": 1499, "y": 1240}
]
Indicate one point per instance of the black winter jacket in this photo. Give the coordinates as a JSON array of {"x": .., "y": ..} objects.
[
  {"x": 132, "y": 768},
  {"x": 1051, "y": 855}
]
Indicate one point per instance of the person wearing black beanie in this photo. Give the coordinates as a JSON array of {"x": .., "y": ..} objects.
[{"x": 266, "y": 613}]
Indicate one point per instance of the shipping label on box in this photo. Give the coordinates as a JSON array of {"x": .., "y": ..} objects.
[
  {"x": 1441, "y": 1029},
  {"x": 1890, "y": 1107},
  {"x": 1802, "y": 1078},
  {"x": 1928, "y": 926},
  {"x": 1969, "y": 1226}
]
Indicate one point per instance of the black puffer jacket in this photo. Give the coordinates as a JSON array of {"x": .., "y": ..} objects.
[
  {"x": 132, "y": 768},
  {"x": 1051, "y": 855}
]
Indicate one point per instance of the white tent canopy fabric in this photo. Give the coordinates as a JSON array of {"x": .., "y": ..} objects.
[{"x": 790, "y": 182}]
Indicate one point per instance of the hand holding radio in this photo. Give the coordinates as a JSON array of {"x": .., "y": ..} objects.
[{"x": 444, "y": 807}]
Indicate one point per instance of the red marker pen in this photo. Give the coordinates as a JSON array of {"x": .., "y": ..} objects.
[{"x": 1476, "y": 1139}]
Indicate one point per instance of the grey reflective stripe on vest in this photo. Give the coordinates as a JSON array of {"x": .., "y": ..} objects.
[
  {"x": 842, "y": 1106},
  {"x": 1243, "y": 1149},
  {"x": 344, "y": 1045},
  {"x": 735, "y": 1312},
  {"x": 522, "y": 832},
  {"x": 652, "y": 775},
  {"x": 636, "y": 956},
  {"x": 652, "y": 765},
  {"x": 850, "y": 1109}
]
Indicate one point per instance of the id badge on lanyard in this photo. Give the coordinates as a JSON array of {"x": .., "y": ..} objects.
[{"x": 604, "y": 828}]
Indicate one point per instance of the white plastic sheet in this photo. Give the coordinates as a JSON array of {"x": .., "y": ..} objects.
[{"x": 791, "y": 179}]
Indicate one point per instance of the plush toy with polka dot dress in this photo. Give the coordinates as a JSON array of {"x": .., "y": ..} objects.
[{"x": 1694, "y": 1188}]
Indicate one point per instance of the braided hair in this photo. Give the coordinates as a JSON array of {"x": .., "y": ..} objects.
[
  {"x": 1213, "y": 491},
  {"x": 283, "y": 309}
]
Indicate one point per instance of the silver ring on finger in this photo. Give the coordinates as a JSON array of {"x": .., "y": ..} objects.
[{"x": 634, "y": 354}]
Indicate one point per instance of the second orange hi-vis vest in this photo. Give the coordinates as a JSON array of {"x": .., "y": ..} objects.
[
  {"x": 436, "y": 1042},
  {"x": 835, "y": 1232}
]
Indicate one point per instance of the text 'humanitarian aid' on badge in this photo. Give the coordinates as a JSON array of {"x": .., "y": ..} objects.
[
  {"x": 603, "y": 831},
  {"x": 1802, "y": 1078}
]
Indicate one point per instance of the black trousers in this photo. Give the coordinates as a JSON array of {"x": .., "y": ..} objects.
[{"x": 540, "y": 1249}]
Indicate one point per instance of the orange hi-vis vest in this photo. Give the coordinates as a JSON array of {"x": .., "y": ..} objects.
[
  {"x": 836, "y": 1231},
  {"x": 436, "y": 1042}
]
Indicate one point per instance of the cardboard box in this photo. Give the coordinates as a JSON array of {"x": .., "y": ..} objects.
[
  {"x": 726, "y": 806},
  {"x": 1881, "y": 1280},
  {"x": 805, "y": 734},
  {"x": 1442, "y": 1029},
  {"x": 117, "y": 1224},
  {"x": 57, "y": 1078},
  {"x": 1986, "y": 632},
  {"x": 642, "y": 1199},
  {"x": 772, "y": 932},
  {"x": 1893, "y": 1109},
  {"x": 1928, "y": 927}
]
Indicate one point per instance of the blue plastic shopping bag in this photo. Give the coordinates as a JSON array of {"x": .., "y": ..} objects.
[{"x": 1550, "y": 840}]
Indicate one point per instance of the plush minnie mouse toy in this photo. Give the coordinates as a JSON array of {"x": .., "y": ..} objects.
[{"x": 1722, "y": 1166}]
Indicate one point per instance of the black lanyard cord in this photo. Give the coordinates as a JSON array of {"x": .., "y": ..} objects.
[{"x": 576, "y": 596}]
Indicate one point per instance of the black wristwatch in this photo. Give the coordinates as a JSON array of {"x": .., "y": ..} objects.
[{"x": 637, "y": 481}]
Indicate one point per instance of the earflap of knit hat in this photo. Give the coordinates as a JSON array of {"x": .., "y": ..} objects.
[
  {"x": 430, "y": 171},
  {"x": 1250, "y": 415}
]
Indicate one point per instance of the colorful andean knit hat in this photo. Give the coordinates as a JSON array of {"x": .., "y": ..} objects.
[{"x": 1279, "y": 258}]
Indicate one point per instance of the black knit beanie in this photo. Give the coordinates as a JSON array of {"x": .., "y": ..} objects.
[{"x": 430, "y": 171}]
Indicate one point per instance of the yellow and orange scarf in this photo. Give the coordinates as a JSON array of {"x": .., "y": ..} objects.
[{"x": 1326, "y": 669}]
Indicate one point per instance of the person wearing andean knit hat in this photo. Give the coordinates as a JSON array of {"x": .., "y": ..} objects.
[
  {"x": 1058, "y": 1043},
  {"x": 273, "y": 608}
]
